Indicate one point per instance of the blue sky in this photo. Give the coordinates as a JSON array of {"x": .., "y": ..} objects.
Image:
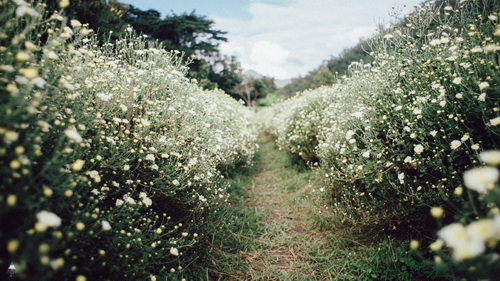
[
  {"x": 221, "y": 8},
  {"x": 287, "y": 38}
]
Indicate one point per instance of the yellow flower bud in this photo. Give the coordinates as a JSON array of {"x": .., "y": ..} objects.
[
  {"x": 29, "y": 72},
  {"x": 12, "y": 246},
  {"x": 437, "y": 212},
  {"x": 11, "y": 200},
  {"x": 63, "y": 4},
  {"x": 414, "y": 244},
  {"x": 23, "y": 56},
  {"x": 80, "y": 226},
  {"x": 77, "y": 165}
]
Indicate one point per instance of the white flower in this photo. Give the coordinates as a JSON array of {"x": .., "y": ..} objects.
[
  {"x": 481, "y": 230},
  {"x": 455, "y": 144},
  {"x": 103, "y": 96},
  {"x": 150, "y": 157},
  {"x": 57, "y": 263},
  {"x": 129, "y": 199},
  {"x": 73, "y": 135},
  {"x": 39, "y": 82},
  {"x": 6, "y": 68},
  {"x": 482, "y": 97},
  {"x": 75, "y": 23},
  {"x": 94, "y": 174},
  {"x": 48, "y": 219},
  {"x": 490, "y": 157},
  {"x": 105, "y": 225},
  {"x": 174, "y": 251},
  {"x": 495, "y": 121},
  {"x": 349, "y": 134},
  {"x": 147, "y": 201},
  {"x": 459, "y": 96},
  {"x": 483, "y": 85},
  {"x": 408, "y": 159},
  {"x": 175, "y": 182},
  {"x": 418, "y": 148},
  {"x": 476, "y": 49},
  {"x": 366, "y": 154},
  {"x": 435, "y": 42},
  {"x": 433, "y": 133},
  {"x": 24, "y": 10},
  {"x": 453, "y": 234},
  {"x": 491, "y": 48},
  {"x": 401, "y": 177},
  {"x": 119, "y": 202},
  {"x": 465, "y": 137},
  {"x": 468, "y": 249},
  {"x": 474, "y": 146},
  {"x": 437, "y": 245},
  {"x": 357, "y": 114},
  {"x": 481, "y": 179}
]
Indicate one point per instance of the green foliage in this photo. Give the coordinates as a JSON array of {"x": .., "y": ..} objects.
[
  {"x": 225, "y": 73},
  {"x": 100, "y": 16},
  {"x": 251, "y": 90},
  {"x": 109, "y": 155},
  {"x": 328, "y": 73},
  {"x": 196, "y": 39},
  {"x": 394, "y": 138}
]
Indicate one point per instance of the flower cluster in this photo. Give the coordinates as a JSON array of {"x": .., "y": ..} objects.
[
  {"x": 393, "y": 136},
  {"x": 111, "y": 158},
  {"x": 475, "y": 241}
]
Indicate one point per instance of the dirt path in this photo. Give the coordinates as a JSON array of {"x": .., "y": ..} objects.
[{"x": 278, "y": 193}]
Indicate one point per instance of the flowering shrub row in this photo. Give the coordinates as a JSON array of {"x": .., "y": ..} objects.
[
  {"x": 394, "y": 138},
  {"x": 110, "y": 157}
]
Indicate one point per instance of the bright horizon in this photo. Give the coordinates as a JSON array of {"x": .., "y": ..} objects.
[{"x": 287, "y": 38}]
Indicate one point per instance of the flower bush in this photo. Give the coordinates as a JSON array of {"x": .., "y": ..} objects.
[
  {"x": 110, "y": 157},
  {"x": 393, "y": 138}
]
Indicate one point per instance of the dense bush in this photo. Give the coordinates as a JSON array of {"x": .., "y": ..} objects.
[
  {"x": 394, "y": 138},
  {"x": 110, "y": 157}
]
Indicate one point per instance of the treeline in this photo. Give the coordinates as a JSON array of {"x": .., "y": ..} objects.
[
  {"x": 193, "y": 36},
  {"x": 327, "y": 73}
]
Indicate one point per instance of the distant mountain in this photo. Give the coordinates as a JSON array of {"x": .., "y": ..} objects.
[
  {"x": 280, "y": 83},
  {"x": 253, "y": 74}
]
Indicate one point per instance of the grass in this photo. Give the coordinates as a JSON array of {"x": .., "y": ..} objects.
[{"x": 274, "y": 232}]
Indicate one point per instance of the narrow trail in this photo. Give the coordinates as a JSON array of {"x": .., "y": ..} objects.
[{"x": 278, "y": 192}]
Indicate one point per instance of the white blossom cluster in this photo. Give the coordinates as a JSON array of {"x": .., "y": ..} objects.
[{"x": 109, "y": 153}]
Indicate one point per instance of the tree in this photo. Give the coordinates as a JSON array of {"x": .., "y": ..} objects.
[
  {"x": 251, "y": 89},
  {"x": 100, "y": 16},
  {"x": 226, "y": 73},
  {"x": 196, "y": 39}
]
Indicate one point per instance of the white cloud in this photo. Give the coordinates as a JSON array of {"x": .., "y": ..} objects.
[
  {"x": 288, "y": 40},
  {"x": 269, "y": 59},
  {"x": 351, "y": 37}
]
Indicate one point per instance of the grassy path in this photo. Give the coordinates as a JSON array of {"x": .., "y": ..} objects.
[
  {"x": 278, "y": 193},
  {"x": 275, "y": 231}
]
